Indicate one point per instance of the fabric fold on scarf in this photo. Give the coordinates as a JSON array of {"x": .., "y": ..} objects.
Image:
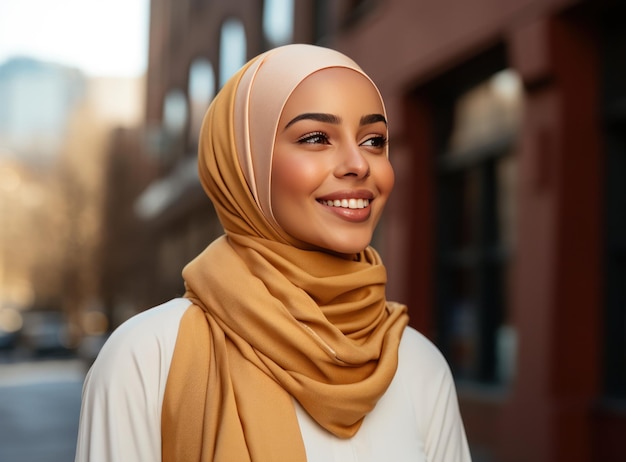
[{"x": 271, "y": 322}]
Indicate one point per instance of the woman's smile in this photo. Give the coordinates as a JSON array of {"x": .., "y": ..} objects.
[
  {"x": 347, "y": 203},
  {"x": 354, "y": 210},
  {"x": 351, "y": 206}
]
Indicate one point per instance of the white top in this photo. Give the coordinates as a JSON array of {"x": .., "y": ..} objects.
[{"x": 417, "y": 419}]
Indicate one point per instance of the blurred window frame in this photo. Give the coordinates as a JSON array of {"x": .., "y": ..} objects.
[
  {"x": 472, "y": 270},
  {"x": 614, "y": 117}
]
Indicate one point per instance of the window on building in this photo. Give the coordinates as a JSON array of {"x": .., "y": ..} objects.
[
  {"x": 175, "y": 112},
  {"x": 616, "y": 256},
  {"x": 476, "y": 175},
  {"x": 178, "y": 14},
  {"x": 355, "y": 10},
  {"x": 201, "y": 90},
  {"x": 278, "y": 22},
  {"x": 197, "y": 5},
  {"x": 614, "y": 89},
  {"x": 322, "y": 26},
  {"x": 233, "y": 49},
  {"x": 175, "y": 118}
]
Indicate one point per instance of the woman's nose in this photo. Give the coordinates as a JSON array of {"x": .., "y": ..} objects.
[{"x": 352, "y": 162}]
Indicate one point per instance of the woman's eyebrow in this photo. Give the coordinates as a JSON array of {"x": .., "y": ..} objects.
[
  {"x": 333, "y": 119},
  {"x": 319, "y": 117},
  {"x": 372, "y": 119}
]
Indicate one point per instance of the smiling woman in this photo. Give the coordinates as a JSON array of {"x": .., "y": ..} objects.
[{"x": 284, "y": 346}]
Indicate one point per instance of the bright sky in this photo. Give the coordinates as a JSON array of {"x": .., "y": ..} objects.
[{"x": 101, "y": 37}]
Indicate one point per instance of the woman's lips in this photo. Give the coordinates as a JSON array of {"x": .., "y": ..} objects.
[{"x": 353, "y": 209}]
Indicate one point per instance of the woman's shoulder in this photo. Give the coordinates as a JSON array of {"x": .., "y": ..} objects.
[
  {"x": 419, "y": 356},
  {"x": 425, "y": 376},
  {"x": 144, "y": 340},
  {"x": 123, "y": 391},
  {"x": 153, "y": 322}
]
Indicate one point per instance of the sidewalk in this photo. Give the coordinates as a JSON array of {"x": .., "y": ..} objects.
[
  {"x": 48, "y": 371},
  {"x": 39, "y": 410}
]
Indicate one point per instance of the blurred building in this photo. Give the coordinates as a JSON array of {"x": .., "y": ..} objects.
[
  {"x": 506, "y": 234},
  {"x": 54, "y": 134},
  {"x": 36, "y": 99}
]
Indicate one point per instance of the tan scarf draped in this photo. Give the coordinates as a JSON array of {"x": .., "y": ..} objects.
[{"x": 271, "y": 322}]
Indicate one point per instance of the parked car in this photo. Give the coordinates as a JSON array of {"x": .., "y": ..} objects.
[
  {"x": 46, "y": 333},
  {"x": 8, "y": 340},
  {"x": 10, "y": 326}
]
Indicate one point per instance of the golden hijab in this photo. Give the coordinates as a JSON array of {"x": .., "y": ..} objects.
[{"x": 270, "y": 322}]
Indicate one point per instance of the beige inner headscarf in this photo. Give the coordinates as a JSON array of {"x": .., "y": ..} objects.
[{"x": 271, "y": 322}]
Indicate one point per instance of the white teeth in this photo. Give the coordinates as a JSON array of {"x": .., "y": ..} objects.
[{"x": 348, "y": 203}]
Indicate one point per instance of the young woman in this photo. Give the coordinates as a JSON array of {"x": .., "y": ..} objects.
[{"x": 284, "y": 347}]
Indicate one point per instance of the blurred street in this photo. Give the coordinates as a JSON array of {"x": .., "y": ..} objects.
[{"x": 39, "y": 410}]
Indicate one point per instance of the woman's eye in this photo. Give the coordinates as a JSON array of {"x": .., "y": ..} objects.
[
  {"x": 314, "y": 138},
  {"x": 375, "y": 142}
]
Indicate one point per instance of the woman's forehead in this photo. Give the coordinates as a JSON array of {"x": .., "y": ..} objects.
[
  {"x": 333, "y": 90},
  {"x": 333, "y": 77}
]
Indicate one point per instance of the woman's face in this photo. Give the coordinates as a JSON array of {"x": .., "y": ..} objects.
[{"x": 330, "y": 173}]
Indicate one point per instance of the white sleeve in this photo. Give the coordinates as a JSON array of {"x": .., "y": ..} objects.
[
  {"x": 123, "y": 392},
  {"x": 445, "y": 439}
]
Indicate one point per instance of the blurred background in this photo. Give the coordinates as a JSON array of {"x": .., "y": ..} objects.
[
  {"x": 72, "y": 72},
  {"x": 506, "y": 233}
]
